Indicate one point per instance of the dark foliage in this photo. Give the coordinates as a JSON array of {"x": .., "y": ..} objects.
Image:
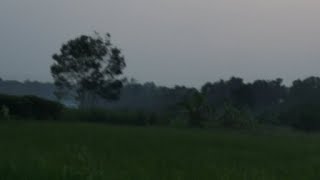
[
  {"x": 259, "y": 95},
  {"x": 235, "y": 118},
  {"x": 31, "y": 107},
  {"x": 264, "y": 101},
  {"x": 196, "y": 108},
  {"x": 303, "y": 116},
  {"x": 88, "y": 67}
]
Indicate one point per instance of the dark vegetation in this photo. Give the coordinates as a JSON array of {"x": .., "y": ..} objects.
[
  {"x": 231, "y": 104},
  {"x": 29, "y": 107}
]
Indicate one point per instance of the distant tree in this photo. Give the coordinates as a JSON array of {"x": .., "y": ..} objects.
[
  {"x": 268, "y": 93},
  {"x": 232, "y": 90},
  {"x": 305, "y": 91},
  {"x": 88, "y": 67},
  {"x": 196, "y": 108}
]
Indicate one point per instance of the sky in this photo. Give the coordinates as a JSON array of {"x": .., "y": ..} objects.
[{"x": 185, "y": 42}]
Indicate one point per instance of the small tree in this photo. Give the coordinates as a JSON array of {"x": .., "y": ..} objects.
[
  {"x": 233, "y": 117},
  {"x": 196, "y": 109},
  {"x": 88, "y": 67}
]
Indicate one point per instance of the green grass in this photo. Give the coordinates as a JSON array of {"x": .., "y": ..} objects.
[{"x": 38, "y": 151}]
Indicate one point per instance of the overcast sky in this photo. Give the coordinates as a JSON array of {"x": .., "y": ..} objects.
[{"x": 168, "y": 41}]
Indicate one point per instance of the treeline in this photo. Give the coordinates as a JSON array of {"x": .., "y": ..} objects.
[
  {"x": 259, "y": 96},
  {"x": 229, "y": 103}
]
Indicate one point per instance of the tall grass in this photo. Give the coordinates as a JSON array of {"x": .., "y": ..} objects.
[{"x": 92, "y": 152}]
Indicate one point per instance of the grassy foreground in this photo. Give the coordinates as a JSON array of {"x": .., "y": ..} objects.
[{"x": 37, "y": 151}]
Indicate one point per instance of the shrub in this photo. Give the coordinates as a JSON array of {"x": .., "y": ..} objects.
[
  {"x": 233, "y": 117},
  {"x": 31, "y": 107},
  {"x": 304, "y": 117},
  {"x": 44, "y": 109}
]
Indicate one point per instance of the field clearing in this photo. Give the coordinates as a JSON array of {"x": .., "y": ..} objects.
[{"x": 76, "y": 151}]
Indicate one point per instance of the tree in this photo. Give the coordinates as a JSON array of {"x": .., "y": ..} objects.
[
  {"x": 196, "y": 109},
  {"x": 305, "y": 91},
  {"x": 237, "y": 118},
  {"x": 88, "y": 67},
  {"x": 232, "y": 90}
]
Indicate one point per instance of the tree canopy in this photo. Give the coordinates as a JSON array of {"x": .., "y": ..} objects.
[{"x": 88, "y": 67}]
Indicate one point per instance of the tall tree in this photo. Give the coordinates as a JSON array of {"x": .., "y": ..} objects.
[{"x": 88, "y": 67}]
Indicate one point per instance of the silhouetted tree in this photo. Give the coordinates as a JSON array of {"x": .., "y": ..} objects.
[
  {"x": 89, "y": 67},
  {"x": 231, "y": 91},
  {"x": 196, "y": 109},
  {"x": 268, "y": 93},
  {"x": 305, "y": 91}
]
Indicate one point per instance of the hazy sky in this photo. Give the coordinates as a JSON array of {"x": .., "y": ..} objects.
[{"x": 168, "y": 41}]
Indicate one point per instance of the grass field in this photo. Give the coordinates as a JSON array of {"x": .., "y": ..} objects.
[{"x": 47, "y": 151}]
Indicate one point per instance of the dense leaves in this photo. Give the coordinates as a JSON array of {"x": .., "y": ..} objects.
[
  {"x": 88, "y": 66},
  {"x": 30, "y": 107}
]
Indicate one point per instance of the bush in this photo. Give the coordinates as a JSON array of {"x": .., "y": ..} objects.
[
  {"x": 304, "y": 117},
  {"x": 31, "y": 107},
  {"x": 233, "y": 117}
]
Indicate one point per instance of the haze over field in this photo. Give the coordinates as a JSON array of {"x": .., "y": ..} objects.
[{"x": 169, "y": 41}]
